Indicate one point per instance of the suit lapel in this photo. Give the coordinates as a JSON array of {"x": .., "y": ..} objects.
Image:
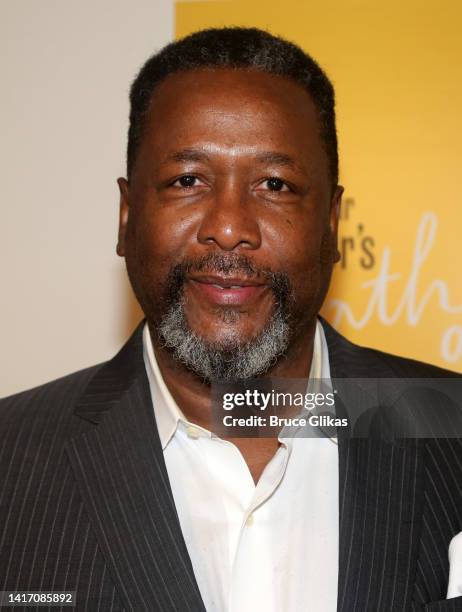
[
  {"x": 121, "y": 473},
  {"x": 380, "y": 504}
]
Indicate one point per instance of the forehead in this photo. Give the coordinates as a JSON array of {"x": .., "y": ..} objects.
[
  {"x": 231, "y": 108},
  {"x": 237, "y": 81}
]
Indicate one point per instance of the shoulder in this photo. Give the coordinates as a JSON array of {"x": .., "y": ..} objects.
[
  {"x": 35, "y": 426},
  {"x": 57, "y": 397},
  {"x": 404, "y": 367},
  {"x": 356, "y": 361},
  {"x": 406, "y": 398}
]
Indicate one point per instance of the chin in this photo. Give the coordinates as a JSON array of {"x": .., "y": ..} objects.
[
  {"x": 229, "y": 331},
  {"x": 224, "y": 345}
]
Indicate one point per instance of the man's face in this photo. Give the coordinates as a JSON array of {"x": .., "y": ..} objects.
[{"x": 230, "y": 215}]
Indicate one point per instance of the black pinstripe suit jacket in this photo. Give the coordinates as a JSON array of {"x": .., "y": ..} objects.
[{"x": 86, "y": 505}]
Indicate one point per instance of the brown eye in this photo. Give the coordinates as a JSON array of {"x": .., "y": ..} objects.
[
  {"x": 275, "y": 184},
  {"x": 187, "y": 181}
]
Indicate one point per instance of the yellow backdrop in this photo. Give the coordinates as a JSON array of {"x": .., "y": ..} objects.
[{"x": 395, "y": 67}]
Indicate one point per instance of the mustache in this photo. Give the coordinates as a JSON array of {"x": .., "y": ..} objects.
[{"x": 219, "y": 263}]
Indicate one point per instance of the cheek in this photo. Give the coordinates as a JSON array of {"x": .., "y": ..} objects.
[
  {"x": 147, "y": 262},
  {"x": 327, "y": 249},
  {"x": 312, "y": 267},
  {"x": 303, "y": 244},
  {"x": 158, "y": 240}
]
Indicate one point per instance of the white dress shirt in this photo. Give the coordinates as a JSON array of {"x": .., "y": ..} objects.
[
  {"x": 271, "y": 546},
  {"x": 455, "y": 567}
]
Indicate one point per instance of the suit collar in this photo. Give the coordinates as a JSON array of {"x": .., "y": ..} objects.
[
  {"x": 123, "y": 480},
  {"x": 112, "y": 380},
  {"x": 116, "y": 376},
  {"x": 348, "y": 360}
]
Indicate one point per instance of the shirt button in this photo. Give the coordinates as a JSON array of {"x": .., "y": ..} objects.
[
  {"x": 249, "y": 521},
  {"x": 193, "y": 433}
]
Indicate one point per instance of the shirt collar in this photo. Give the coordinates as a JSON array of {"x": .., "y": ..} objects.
[{"x": 167, "y": 411}]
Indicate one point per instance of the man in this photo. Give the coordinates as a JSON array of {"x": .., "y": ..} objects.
[{"x": 113, "y": 484}]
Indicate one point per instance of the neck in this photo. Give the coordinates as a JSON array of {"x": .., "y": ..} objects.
[{"x": 192, "y": 394}]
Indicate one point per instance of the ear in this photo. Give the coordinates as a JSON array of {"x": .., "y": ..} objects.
[
  {"x": 334, "y": 219},
  {"x": 123, "y": 215}
]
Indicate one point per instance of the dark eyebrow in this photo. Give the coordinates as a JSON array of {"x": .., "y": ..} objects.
[
  {"x": 264, "y": 157},
  {"x": 187, "y": 155},
  {"x": 276, "y": 158}
]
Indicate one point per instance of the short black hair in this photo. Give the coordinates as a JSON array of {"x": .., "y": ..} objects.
[{"x": 244, "y": 48}]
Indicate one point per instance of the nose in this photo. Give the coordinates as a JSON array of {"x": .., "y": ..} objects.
[{"x": 229, "y": 221}]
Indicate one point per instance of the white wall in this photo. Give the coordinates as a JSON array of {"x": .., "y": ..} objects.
[{"x": 66, "y": 67}]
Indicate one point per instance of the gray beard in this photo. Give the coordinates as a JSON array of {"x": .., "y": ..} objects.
[{"x": 216, "y": 363}]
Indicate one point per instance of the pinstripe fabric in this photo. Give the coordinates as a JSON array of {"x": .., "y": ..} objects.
[
  {"x": 121, "y": 472},
  {"x": 85, "y": 502},
  {"x": 46, "y": 540},
  {"x": 441, "y": 519},
  {"x": 400, "y": 503}
]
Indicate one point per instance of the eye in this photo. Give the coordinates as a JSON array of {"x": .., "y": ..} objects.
[
  {"x": 274, "y": 184},
  {"x": 187, "y": 181}
]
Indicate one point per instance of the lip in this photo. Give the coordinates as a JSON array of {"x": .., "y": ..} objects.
[{"x": 227, "y": 290}]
